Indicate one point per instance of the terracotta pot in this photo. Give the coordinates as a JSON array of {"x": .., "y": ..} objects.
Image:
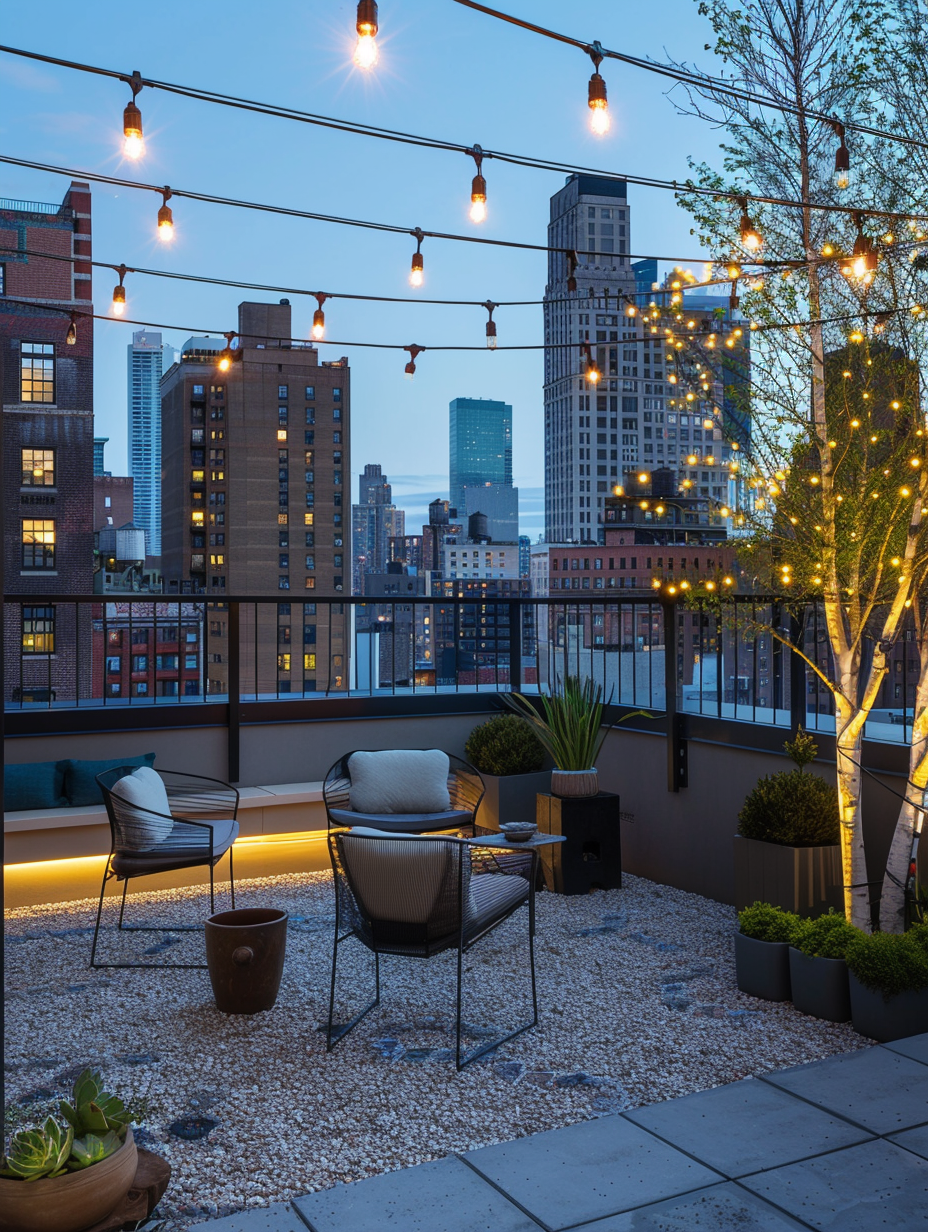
[
  {"x": 245, "y": 956},
  {"x": 574, "y": 782},
  {"x": 71, "y": 1202}
]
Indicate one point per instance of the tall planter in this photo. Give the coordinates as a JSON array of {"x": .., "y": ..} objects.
[
  {"x": 806, "y": 880},
  {"x": 762, "y": 968},
  {"x": 820, "y": 986},
  {"x": 511, "y": 797},
  {"x": 885, "y": 1018}
]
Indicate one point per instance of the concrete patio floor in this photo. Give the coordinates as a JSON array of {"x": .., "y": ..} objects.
[{"x": 840, "y": 1144}]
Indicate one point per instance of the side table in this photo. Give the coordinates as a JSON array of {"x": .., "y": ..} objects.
[{"x": 591, "y": 857}]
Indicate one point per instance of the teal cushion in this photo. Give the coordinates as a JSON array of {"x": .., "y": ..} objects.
[
  {"x": 80, "y": 779},
  {"x": 35, "y": 785}
]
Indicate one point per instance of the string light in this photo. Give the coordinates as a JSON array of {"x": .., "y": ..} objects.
[
  {"x": 750, "y": 236},
  {"x": 478, "y": 188},
  {"x": 842, "y": 177},
  {"x": 365, "y": 53},
  {"x": 119, "y": 293},
  {"x": 596, "y": 95},
  {"x": 71, "y": 336},
  {"x": 417, "y": 268},
  {"x": 319, "y": 318},
  {"x": 864, "y": 258},
  {"x": 133, "y": 146},
  {"x": 491, "y": 326},
  {"x": 591, "y": 373},
  {"x": 165, "y": 218},
  {"x": 224, "y": 363},
  {"x": 410, "y": 370}
]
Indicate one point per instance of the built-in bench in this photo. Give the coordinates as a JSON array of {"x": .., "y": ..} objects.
[{"x": 278, "y": 810}]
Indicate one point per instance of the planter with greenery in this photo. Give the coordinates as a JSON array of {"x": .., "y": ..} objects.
[
  {"x": 571, "y": 729},
  {"x": 762, "y": 951},
  {"x": 817, "y": 970},
  {"x": 787, "y": 848},
  {"x": 510, "y": 758},
  {"x": 889, "y": 983},
  {"x": 69, "y": 1174}
]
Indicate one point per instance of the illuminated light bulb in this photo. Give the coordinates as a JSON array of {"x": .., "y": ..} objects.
[
  {"x": 597, "y": 101},
  {"x": 71, "y": 336},
  {"x": 895, "y": 561},
  {"x": 643, "y": 505},
  {"x": 855, "y": 335},
  {"x": 684, "y": 585},
  {"x": 691, "y": 460},
  {"x": 915, "y": 462},
  {"x": 828, "y": 251},
  {"x": 794, "y": 521},
  {"x": 416, "y": 270},
  {"x": 710, "y": 585},
  {"x": 365, "y": 53},
  {"x": 733, "y": 270},
  {"x": 708, "y": 424},
  {"x": 119, "y": 300},
  {"x": 165, "y": 218},
  {"x": 618, "y": 490},
  {"x": 750, "y": 236},
  {"x": 728, "y": 581},
  {"x": 655, "y": 583},
  {"x": 855, "y": 423},
  {"x": 491, "y": 335},
  {"x": 904, "y": 492},
  {"x": 814, "y": 480},
  {"x": 725, "y": 511},
  {"x": 133, "y": 146},
  {"x": 671, "y": 590},
  {"x": 631, "y": 311},
  {"x": 643, "y": 477},
  {"x": 873, "y": 439},
  {"x": 895, "y": 406},
  {"x": 816, "y": 581},
  {"x": 318, "y": 330},
  {"x": 842, "y": 178}
]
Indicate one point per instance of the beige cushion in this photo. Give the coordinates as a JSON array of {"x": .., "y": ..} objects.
[
  {"x": 399, "y": 781},
  {"x": 142, "y": 794},
  {"x": 408, "y": 882}
]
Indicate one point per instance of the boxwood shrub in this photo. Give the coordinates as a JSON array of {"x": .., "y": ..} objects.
[
  {"x": 505, "y": 744},
  {"x": 763, "y": 922},
  {"x": 827, "y": 937},
  {"x": 890, "y": 963}
]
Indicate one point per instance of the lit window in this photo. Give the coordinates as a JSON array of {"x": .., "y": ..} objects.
[
  {"x": 281, "y": 519},
  {"x": 37, "y": 372},
  {"x": 197, "y": 476},
  {"x": 196, "y": 517},
  {"x": 215, "y": 560},
  {"x": 38, "y": 468},
  {"x": 308, "y": 519},
  {"x": 310, "y": 583},
  {"x": 281, "y": 434},
  {"x": 283, "y": 663},
  {"x": 38, "y": 630},
  {"x": 38, "y": 543},
  {"x": 217, "y": 476},
  {"x": 309, "y": 662}
]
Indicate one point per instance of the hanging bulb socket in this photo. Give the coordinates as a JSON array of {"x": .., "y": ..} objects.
[
  {"x": 410, "y": 370},
  {"x": 319, "y": 318},
  {"x": 478, "y": 188},
  {"x": 572, "y": 264},
  {"x": 491, "y": 326},
  {"x": 165, "y": 218},
  {"x": 133, "y": 145},
  {"x": 596, "y": 95},
  {"x": 750, "y": 236},
  {"x": 842, "y": 158},
  {"x": 417, "y": 268},
  {"x": 119, "y": 293},
  {"x": 733, "y": 300},
  {"x": 365, "y": 53},
  {"x": 224, "y": 362},
  {"x": 591, "y": 372},
  {"x": 71, "y": 336}
]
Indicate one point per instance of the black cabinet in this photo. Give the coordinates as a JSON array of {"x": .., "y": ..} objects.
[{"x": 591, "y": 858}]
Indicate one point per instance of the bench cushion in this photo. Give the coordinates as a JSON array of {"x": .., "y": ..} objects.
[
  {"x": 80, "y": 777},
  {"x": 36, "y": 785}
]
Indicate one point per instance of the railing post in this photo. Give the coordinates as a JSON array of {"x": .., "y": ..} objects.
[
  {"x": 797, "y": 678},
  {"x": 515, "y": 646},
  {"x": 676, "y": 745},
  {"x": 235, "y": 694}
]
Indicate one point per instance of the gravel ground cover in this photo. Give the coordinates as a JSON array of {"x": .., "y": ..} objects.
[{"x": 637, "y": 1002}]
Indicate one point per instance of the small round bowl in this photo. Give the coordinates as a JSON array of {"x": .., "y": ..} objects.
[{"x": 518, "y": 832}]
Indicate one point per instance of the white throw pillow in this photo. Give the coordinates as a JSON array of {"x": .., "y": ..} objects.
[
  {"x": 400, "y": 781},
  {"x": 144, "y": 793}
]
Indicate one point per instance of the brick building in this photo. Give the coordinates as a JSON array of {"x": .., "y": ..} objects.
[
  {"x": 46, "y": 370},
  {"x": 256, "y": 497}
]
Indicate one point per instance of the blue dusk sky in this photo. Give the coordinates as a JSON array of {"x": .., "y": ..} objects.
[{"x": 445, "y": 71}]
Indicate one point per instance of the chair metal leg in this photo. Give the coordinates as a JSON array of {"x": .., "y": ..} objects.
[
  {"x": 231, "y": 879},
  {"x": 333, "y": 1038},
  {"x": 96, "y": 931},
  {"x": 122, "y": 909},
  {"x": 212, "y": 890},
  {"x": 483, "y": 1049}
]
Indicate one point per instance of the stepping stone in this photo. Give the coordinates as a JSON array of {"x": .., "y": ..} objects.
[
  {"x": 277, "y": 1218},
  {"x": 721, "y": 1208},
  {"x": 746, "y": 1126},
  {"x": 878, "y": 1089},
  {"x": 588, "y": 1171},
  {"x": 916, "y": 1047},
  {"x": 861, "y": 1189},
  {"x": 444, "y": 1196}
]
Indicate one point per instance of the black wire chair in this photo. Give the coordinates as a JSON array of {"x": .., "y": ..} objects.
[
  {"x": 204, "y": 826},
  {"x": 416, "y": 898},
  {"x": 465, "y": 789}
]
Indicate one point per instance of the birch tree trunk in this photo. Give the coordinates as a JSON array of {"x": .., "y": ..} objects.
[{"x": 892, "y": 903}]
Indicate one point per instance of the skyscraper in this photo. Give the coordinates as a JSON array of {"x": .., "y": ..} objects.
[
  {"x": 590, "y": 217},
  {"x": 374, "y": 521},
  {"x": 480, "y": 464},
  {"x": 145, "y": 361}
]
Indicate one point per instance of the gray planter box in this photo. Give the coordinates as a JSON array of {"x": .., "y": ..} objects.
[
  {"x": 820, "y": 986},
  {"x": 762, "y": 968},
  {"x": 888, "y": 1018},
  {"x": 806, "y": 880},
  {"x": 511, "y": 797}
]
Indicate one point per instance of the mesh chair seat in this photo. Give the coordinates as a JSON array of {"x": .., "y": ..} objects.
[
  {"x": 175, "y": 853},
  {"x": 493, "y": 896}
]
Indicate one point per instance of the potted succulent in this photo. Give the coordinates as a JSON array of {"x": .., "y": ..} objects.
[
  {"x": 817, "y": 970},
  {"x": 69, "y": 1174},
  {"x": 889, "y": 983},
  {"x": 571, "y": 730},
  {"x": 762, "y": 951},
  {"x": 510, "y": 758},
  {"x": 787, "y": 848}
]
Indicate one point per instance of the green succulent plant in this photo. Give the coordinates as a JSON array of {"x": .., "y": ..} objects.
[
  {"x": 36, "y": 1153},
  {"x": 95, "y": 1125}
]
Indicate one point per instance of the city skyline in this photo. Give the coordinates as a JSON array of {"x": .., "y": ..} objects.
[{"x": 69, "y": 120}]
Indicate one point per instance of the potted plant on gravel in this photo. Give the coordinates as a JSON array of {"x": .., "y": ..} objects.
[
  {"x": 787, "y": 848},
  {"x": 817, "y": 967},
  {"x": 510, "y": 758},
  {"x": 762, "y": 951},
  {"x": 69, "y": 1174},
  {"x": 889, "y": 983}
]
